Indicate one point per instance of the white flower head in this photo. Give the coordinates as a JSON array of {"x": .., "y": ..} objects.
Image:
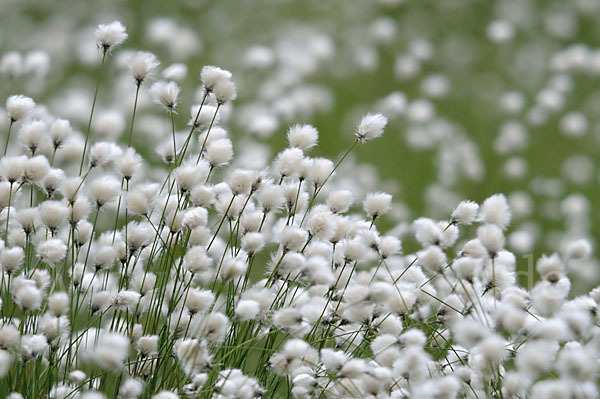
[
  {"x": 211, "y": 75},
  {"x": 203, "y": 117},
  {"x": 110, "y": 36},
  {"x": 370, "y": 127},
  {"x": 492, "y": 238},
  {"x": 495, "y": 210},
  {"x": 304, "y": 137},
  {"x": 377, "y": 204},
  {"x": 175, "y": 72},
  {"x": 225, "y": 91},
  {"x": 142, "y": 65},
  {"x": 465, "y": 213},
  {"x": 51, "y": 251},
  {"x": 165, "y": 94},
  {"x": 18, "y": 107}
]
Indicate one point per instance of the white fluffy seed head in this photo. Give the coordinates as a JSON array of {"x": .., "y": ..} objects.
[
  {"x": 224, "y": 91},
  {"x": 58, "y": 303},
  {"x": 13, "y": 167},
  {"x": 201, "y": 118},
  {"x": 80, "y": 209},
  {"x": 550, "y": 267},
  {"x": 104, "y": 190},
  {"x": 288, "y": 162},
  {"x": 354, "y": 250},
  {"x": 211, "y": 75},
  {"x": 110, "y": 36},
  {"x": 165, "y": 94},
  {"x": 377, "y": 204},
  {"x": 77, "y": 377},
  {"x": 175, "y": 72},
  {"x": 140, "y": 201},
  {"x": 492, "y": 348},
  {"x": 370, "y": 127},
  {"x": 9, "y": 337},
  {"x": 11, "y": 259},
  {"x": 32, "y": 346},
  {"x": 189, "y": 175},
  {"x": 433, "y": 258},
  {"x": 166, "y": 152},
  {"x": 292, "y": 238},
  {"x": 53, "y": 214},
  {"x": 492, "y": 238},
  {"x": 127, "y": 300},
  {"x": 70, "y": 188},
  {"x": 465, "y": 213},
  {"x": 198, "y": 301},
  {"x": 389, "y": 246},
  {"x": 129, "y": 164},
  {"x": 340, "y": 201},
  {"x": 320, "y": 170},
  {"x": 247, "y": 309},
  {"x": 142, "y": 65},
  {"x": 203, "y": 196},
  {"x": 18, "y": 107},
  {"x": 241, "y": 181},
  {"x": 53, "y": 181},
  {"x": 147, "y": 345},
  {"x": 11, "y": 64},
  {"x": 60, "y": 130},
  {"x": 578, "y": 249},
  {"x": 35, "y": 169},
  {"x": 232, "y": 267},
  {"x": 219, "y": 152},
  {"x": 467, "y": 268},
  {"x": 320, "y": 225},
  {"x": 253, "y": 242},
  {"x": 31, "y": 135},
  {"x": 495, "y": 210},
  {"x": 270, "y": 197},
  {"x": 195, "y": 217},
  {"x": 109, "y": 125},
  {"x": 51, "y": 251},
  {"x": 304, "y": 137},
  {"x": 110, "y": 351},
  {"x": 474, "y": 249},
  {"x": 28, "y": 297},
  {"x": 197, "y": 260},
  {"x": 28, "y": 218},
  {"x": 427, "y": 232},
  {"x": 7, "y": 192}
]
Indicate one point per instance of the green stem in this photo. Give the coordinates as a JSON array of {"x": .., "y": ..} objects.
[
  {"x": 137, "y": 92},
  {"x": 189, "y": 137},
  {"x": 12, "y": 121},
  {"x": 207, "y": 133},
  {"x": 317, "y": 191},
  {"x": 8, "y": 212},
  {"x": 89, "y": 126},
  {"x": 173, "y": 134}
]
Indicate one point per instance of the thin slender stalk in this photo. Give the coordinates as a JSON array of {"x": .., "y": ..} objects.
[
  {"x": 12, "y": 121},
  {"x": 190, "y": 134},
  {"x": 173, "y": 134},
  {"x": 318, "y": 190},
  {"x": 221, "y": 222},
  {"x": 89, "y": 126},
  {"x": 137, "y": 92},
  {"x": 8, "y": 211},
  {"x": 207, "y": 133}
]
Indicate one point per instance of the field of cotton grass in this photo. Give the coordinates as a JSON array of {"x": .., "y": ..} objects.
[{"x": 236, "y": 200}]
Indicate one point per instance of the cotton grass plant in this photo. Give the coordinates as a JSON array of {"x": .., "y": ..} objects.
[{"x": 177, "y": 274}]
